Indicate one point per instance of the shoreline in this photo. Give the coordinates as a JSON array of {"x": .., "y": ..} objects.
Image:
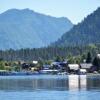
[{"x": 40, "y": 74}]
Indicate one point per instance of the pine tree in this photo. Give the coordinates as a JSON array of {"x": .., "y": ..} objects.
[
  {"x": 89, "y": 58},
  {"x": 96, "y": 63}
]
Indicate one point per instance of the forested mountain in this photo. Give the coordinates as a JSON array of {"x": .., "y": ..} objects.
[
  {"x": 86, "y": 32},
  {"x": 28, "y": 29}
]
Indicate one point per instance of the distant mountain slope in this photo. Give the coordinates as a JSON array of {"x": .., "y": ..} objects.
[
  {"x": 86, "y": 32},
  {"x": 28, "y": 29}
]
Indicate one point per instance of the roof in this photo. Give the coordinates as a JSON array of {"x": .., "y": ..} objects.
[
  {"x": 55, "y": 63},
  {"x": 73, "y": 66},
  {"x": 85, "y": 65},
  {"x": 58, "y": 63}
]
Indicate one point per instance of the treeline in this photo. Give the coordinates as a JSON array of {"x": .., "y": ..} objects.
[{"x": 48, "y": 53}]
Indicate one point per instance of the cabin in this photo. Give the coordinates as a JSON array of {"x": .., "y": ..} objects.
[
  {"x": 86, "y": 66},
  {"x": 73, "y": 68}
]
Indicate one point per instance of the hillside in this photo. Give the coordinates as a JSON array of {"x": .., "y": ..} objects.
[
  {"x": 86, "y": 32},
  {"x": 28, "y": 29}
]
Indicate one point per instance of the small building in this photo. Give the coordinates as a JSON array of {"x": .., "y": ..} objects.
[
  {"x": 86, "y": 66},
  {"x": 73, "y": 68},
  {"x": 55, "y": 65},
  {"x": 59, "y": 65},
  {"x": 83, "y": 71}
]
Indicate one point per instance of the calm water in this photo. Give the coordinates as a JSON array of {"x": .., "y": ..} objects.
[{"x": 49, "y": 87}]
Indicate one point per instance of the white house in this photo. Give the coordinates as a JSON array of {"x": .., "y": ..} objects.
[
  {"x": 73, "y": 66},
  {"x": 86, "y": 66}
]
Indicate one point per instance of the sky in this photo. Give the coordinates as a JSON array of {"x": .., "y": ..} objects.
[{"x": 74, "y": 10}]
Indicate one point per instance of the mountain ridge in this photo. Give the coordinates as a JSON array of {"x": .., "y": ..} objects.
[
  {"x": 28, "y": 29},
  {"x": 84, "y": 33}
]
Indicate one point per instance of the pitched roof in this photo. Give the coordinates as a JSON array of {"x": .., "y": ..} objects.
[
  {"x": 85, "y": 65},
  {"x": 73, "y": 66}
]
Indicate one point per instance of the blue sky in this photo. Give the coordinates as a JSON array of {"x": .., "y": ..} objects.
[{"x": 75, "y": 10}]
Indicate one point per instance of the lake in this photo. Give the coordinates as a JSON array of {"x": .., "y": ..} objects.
[{"x": 50, "y": 87}]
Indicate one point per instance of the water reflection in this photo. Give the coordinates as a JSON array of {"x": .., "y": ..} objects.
[
  {"x": 33, "y": 84},
  {"x": 77, "y": 82},
  {"x": 83, "y": 82},
  {"x": 59, "y": 83},
  {"x": 73, "y": 82}
]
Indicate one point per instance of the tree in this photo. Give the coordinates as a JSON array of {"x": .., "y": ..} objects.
[
  {"x": 70, "y": 59},
  {"x": 89, "y": 58},
  {"x": 83, "y": 57},
  {"x": 58, "y": 59},
  {"x": 2, "y": 67},
  {"x": 17, "y": 68},
  {"x": 96, "y": 63},
  {"x": 77, "y": 59}
]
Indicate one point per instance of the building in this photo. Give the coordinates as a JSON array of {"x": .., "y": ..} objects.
[
  {"x": 61, "y": 66},
  {"x": 86, "y": 66},
  {"x": 73, "y": 68},
  {"x": 83, "y": 71}
]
